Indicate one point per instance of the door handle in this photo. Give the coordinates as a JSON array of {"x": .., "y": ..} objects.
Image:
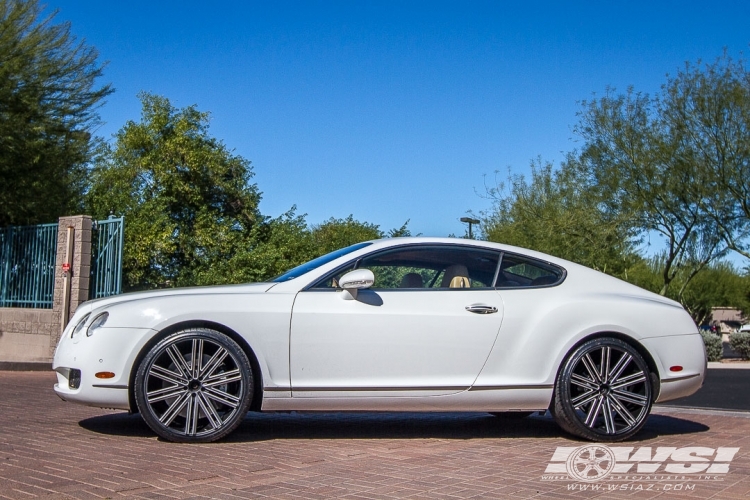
[{"x": 481, "y": 309}]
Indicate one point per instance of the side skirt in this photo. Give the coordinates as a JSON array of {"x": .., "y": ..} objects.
[{"x": 485, "y": 399}]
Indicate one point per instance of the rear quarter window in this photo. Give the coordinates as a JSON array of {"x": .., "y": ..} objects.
[{"x": 518, "y": 271}]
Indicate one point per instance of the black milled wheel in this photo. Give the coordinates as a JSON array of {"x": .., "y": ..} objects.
[
  {"x": 603, "y": 391},
  {"x": 194, "y": 386}
]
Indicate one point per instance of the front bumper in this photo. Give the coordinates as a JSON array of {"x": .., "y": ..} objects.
[{"x": 111, "y": 350}]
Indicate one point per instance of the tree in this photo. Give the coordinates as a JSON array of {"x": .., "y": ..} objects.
[
  {"x": 555, "y": 213},
  {"x": 188, "y": 202},
  {"x": 273, "y": 247},
  {"x": 641, "y": 163},
  {"x": 709, "y": 111},
  {"x": 676, "y": 165},
  {"x": 279, "y": 244},
  {"x": 339, "y": 233},
  {"x": 191, "y": 212},
  {"x": 48, "y": 111},
  {"x": 720, "y": 285}
]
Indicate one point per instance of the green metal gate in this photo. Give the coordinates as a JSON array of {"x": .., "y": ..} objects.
[
  {"x": 106, "y": 257},
  {"x": 27, "y": 266}
]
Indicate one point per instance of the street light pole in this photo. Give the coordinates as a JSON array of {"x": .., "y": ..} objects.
[{"x": 470, "y": 221}]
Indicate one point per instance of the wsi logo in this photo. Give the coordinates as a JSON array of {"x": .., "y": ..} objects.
[{"x": 597, "y": 462}]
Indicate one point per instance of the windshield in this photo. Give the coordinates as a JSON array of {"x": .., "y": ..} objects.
[{"x": 316, "y": 263}]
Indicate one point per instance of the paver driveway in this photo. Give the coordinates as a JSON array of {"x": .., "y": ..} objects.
[{"x": 53, "y": 449}]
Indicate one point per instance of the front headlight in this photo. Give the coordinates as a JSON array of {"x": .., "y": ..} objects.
[
  {"x": 79, "y": 326},
  {"x": 97, "y": 323}
]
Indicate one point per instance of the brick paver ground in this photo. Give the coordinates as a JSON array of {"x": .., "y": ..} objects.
[{"x": 52, "y": 449}]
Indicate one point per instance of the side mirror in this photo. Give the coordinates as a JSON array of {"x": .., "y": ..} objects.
[{"x": 358, "y": 279}]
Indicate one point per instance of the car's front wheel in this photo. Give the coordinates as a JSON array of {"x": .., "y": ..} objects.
[
  {"x": 603, "y": 391},
  {"x": 194, "y": 386}
]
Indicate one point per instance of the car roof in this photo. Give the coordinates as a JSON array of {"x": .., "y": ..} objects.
[{"x": 387, "y": 242}]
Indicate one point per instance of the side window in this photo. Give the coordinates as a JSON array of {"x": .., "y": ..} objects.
[
  {"x": 422, "y": 267},
  {"x": 517, "y": 271},
  {"x": 432, "y": 267}
]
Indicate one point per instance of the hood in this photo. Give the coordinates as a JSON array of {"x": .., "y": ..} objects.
[
  {"x": 171, "y": 292},
  {"x": 91, "y": 305}
]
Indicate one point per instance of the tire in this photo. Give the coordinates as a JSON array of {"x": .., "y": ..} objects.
[
  {"x": 603, "y": 391},
  {"x": 194, "y": 403}
]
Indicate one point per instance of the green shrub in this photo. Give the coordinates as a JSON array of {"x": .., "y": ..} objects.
[
  {"x": 740, "y": 342},
  {"x": 714, "y": 346}
]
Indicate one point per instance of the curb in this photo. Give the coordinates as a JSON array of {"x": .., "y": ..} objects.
[
  {"x": 661, "y": 409},
  {"x": 740, "y": 365}
]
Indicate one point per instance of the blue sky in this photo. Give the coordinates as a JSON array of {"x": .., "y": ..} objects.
[{"x": 392, "y": 110}]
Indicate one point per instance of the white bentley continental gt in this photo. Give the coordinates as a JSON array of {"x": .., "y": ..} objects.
[{"x": 402, "y": 324}]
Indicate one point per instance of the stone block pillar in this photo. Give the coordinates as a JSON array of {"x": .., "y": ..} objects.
[{"x": 78, "y": 254}]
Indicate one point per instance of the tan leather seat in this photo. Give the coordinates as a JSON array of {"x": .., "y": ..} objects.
[
  {"x": 456, "y": 276},
  {"x": 411, "y": 280}
]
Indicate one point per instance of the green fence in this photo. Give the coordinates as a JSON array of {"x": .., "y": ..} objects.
[
  {"x": 106, "y": 258},
  {"x": 27, "y": 264}
]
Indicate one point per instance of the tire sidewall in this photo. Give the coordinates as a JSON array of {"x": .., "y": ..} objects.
[
  {"x": 563, "y": 410},
  {"x": 141, "y": 379}
]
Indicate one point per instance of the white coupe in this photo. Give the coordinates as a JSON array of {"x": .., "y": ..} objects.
[{"x": 402, "y": 324}]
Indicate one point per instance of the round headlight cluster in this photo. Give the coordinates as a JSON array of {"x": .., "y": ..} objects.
[
  {"x": 97, "y": 323},
  {"x": 79, "y": 326}
]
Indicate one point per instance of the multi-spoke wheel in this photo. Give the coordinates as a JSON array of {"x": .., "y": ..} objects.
[
  {"x": 194, "y": 386},
  {"x": 603, "y": 391}
]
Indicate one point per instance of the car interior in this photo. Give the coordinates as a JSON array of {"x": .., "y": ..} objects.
[{"x": 448, "y": 267}]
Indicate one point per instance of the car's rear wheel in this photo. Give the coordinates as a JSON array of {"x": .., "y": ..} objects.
[
  {"x": 194, "y": 386},
  {"x": 603, "y": 391}
]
